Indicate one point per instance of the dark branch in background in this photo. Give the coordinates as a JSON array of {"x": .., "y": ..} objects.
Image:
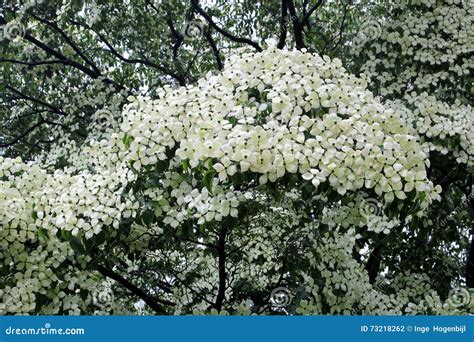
[
  {"x": 61, "y": 59},
  {"x": 40, "y": 102},
  {"x": 177, "y": 36},
  {"x": 467, "y": 190},
  {"x": 49, "y": 122},
  {"x": 93, "y": 73},
  {"x": 155, "y": 304},
  {"x": 283, "y": 24},
  {"x": 31, "y": 64},
  {"x": 297, "y": 25},
  {"x": 113, "y": 51},
  {"x": 70, "y": 42},
  {"x": 51, "y": 109},
  {"x": 305, "y": 20},
  {"x": 265, "y": 301},
  {"x": 304, "y": 9},
  {"x": 30, "y": 130},
  {"x": 195, "y": 4},
  {"x": 215, "y": 50},
  {"x": 373, "y": 264},
  {"x": 19, "y": 137},
  {"x": 470, "y": 263},
  {"x": 60, "y": 56},
  {"x": 190, "y": 64},
  {"x": 222, "y": 258},
  {"x": 341, "y": 28}
]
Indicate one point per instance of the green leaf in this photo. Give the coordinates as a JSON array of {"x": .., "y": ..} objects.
[
  {"x": 185, "y": 165},
  {"x": 77, "y": 246},
  {"x": 66, "y": 235},
  {"x": 161, "y": 166},
  {"x": 127, "y": 140},
  {"x": 207, "y": 179},
  {"x": 236, "y": 178},
  {"x": 42, "y": 233},
  {"x": 209, "y": 164},
  {"x": 148, "y": 217}
]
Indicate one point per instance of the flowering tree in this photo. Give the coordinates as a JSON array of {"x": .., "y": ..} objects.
[
  {"x": 280, "y": 184},
  {"x": 421, "y": 64}
]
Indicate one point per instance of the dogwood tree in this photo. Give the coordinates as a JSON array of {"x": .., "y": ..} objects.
[
  {"x": 284, "y": 182},
  {"x": 421, "y": 64}
]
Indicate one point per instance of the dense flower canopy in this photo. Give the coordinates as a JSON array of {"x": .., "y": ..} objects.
[
  {"x": 423, "y": 61},
  {"x": 435, "y": 44},
  {"x": 197, "y": 154},
  {"x": 420, "y": 63}
]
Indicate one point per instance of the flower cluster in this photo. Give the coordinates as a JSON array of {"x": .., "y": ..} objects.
[
  {"x": 275, "y": 113},
  {"x": 442, "y": 127},
  {"x": 426, "y": 48},
  {"x": 196, "y": 155}
]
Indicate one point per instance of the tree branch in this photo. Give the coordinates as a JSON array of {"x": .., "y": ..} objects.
[
  {"x": 341, "y": 29},
  {"x": 40, "y": 102},
  {"x": 21, "y": 136},
  {"x": 195, "y": 4},
  {"x": 304, "y": 21},
  {"x": 70, "y": 42},
  {"x": 373, "y": 264},
  {"x": 60, "y": 56},
  {"x": 222, "y": 268},
  {"x": 214, "y": 49},
  {"x": 470, "y": 253},
  {"x": 297, "y": 25},
  {"x": 283, "y": 24},
  {"x": 155, "y": 304},
  {"x": 31, "y": 64},
  {"x": 178, "y": 37},
  {"x": 112, "y": 50}
]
